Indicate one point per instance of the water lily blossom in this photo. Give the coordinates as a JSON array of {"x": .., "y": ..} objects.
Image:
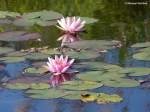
[
  {"x": 71, "y": 24},
  {"x": 59, "y": 65}
]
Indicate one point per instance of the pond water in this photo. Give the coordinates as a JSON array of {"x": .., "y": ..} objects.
[{"x": 116, "y": 21}]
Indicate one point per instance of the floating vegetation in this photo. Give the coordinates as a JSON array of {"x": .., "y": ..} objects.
[
  {"x": 35, "y": 70},
  {"x": 5, "y": 50},
  {"x": 4, "y": 14},
  {"x": 13, "y": 59},
  {"x": 143, "y": 53}
]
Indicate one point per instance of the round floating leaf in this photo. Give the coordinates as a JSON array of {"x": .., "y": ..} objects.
[
  {"x": 12, "y": 59},
  {"x": 16, "y": 54},
  {"x": 37, "y": 56},
  {"x": 4, "y": 14},
  {"x": 105, "y": 98},
  {"x": 145, "y": 56},
  {"x": 46, "y": 93},
  {"x": 33, "y": 70},
  {"x": 25, "y": 85},
  {"x": 136, "y": 71},
  {"x": 80, "y": 85},
  {"x": 88, "y": 20},
  {"x": 5, "y": 50},
  {"x": 18, "y": 36},
  {"x": 50, "y": 51},
  {"x": 82, "y": 54},
  {"x": 39, "y": 86},
  {"x": 147, "y": 49},
  {"x": 120, "y": 82},
  {"x": 141, "y": 45},
  {"x": 42, "y": 18},
  {"x": 98, "y": 45},
  {"x": 17, "y": 86}
]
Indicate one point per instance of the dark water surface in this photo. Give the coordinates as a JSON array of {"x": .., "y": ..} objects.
[{"x": 127, "y": 23}]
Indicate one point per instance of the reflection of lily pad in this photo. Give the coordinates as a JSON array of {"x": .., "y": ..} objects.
[
  {"x": 42, "y": 18},
  {"x": 34, "y": 70},
  {"x": 46, "y": 93},
  {"x": 36, "y": 56},
  {"x": 12, "y": 59},
  {"x": 5, "y": 50},
  {"x": 80, "y": 85},
  {"x": 18, "y": 36},
  {"x": 145, "y": 56},
  {"x": 98, "y": 45}
]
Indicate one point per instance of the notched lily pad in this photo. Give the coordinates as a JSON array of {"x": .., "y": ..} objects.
[
  {"x": 145, "y": 56},
  {"x": 89, "y": 20},
  {"x": 5, "y": 50}
]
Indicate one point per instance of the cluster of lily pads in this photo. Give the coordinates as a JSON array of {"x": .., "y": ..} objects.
[{"x": 73, "y": 69}]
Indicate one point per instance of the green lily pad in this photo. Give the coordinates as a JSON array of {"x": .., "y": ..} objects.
[
  {"x": 12, "y": 59},
  {"x": 82, "y": 54},
  {"x": 121, "y": 82},
  {"x": 16, "y": 54},
  {"x": 106, "y": 98},
  {"x": 42, "y": 18},
  {"x": 98, "y": 45},
  {"x": 33, "y": 70},
  {"x": 36, "y": 56},
  {"x": 18, "y": 86},
  {"x": 50, "y": 51},
  {"x": 141, "y": 45},
  {"x": 46, "y": 93},
  {"x": 137, "y": 71},
  {"x": 5, "y": 50},
  {"x": 23, "y": 85},
  {"x": 80, "y": 85},
  {"x": 4, "y": 14},
  {"x": 145, "y": 56},
  {"x": 88, "y": 20},
  {"x": 18, "y": 36}
]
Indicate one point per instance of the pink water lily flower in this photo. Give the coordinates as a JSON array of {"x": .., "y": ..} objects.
[
  {"x": 71, "y": 24},
  {"x": 68, "y": 38},
  {"x": 59, "y": 65}
]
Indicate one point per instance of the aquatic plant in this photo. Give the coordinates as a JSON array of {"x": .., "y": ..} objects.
[
  {"x": 59, "y": 65},
  {"x": 71, "y": 24}
]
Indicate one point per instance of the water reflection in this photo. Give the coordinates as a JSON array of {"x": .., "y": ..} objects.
[
  {"x": 68, "y": 38},
  {"x": 58, "y": 79}
]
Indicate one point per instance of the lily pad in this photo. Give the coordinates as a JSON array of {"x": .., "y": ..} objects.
[
  {"x": 4, "y": 14},
  {"x": 89, "y": 20},
  {"x": 5, "y": 50},
  {"x": 42, "y": 18},
  {"x": 18, "y": 36},
  {"x": 12, "y": 59},
  {"x": 46, "y": 93},
  {"x": 82, "y": 54},
  {"x": 34, "y": 70},
  {"x": 80, "y": 85},
  {"x": 141, "y": 45},
  {"x": 23, "y": 85},
  {"x": 50, "y": 51},
  {"x": 106, "y": 98},
  {"x": 136, "y": 71},
  {"x": 145, "y": 56},
  {"x": 121, "y": 82},
  {"x": 98, "y": 45},
  {"x": 36, "y": 56}
]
